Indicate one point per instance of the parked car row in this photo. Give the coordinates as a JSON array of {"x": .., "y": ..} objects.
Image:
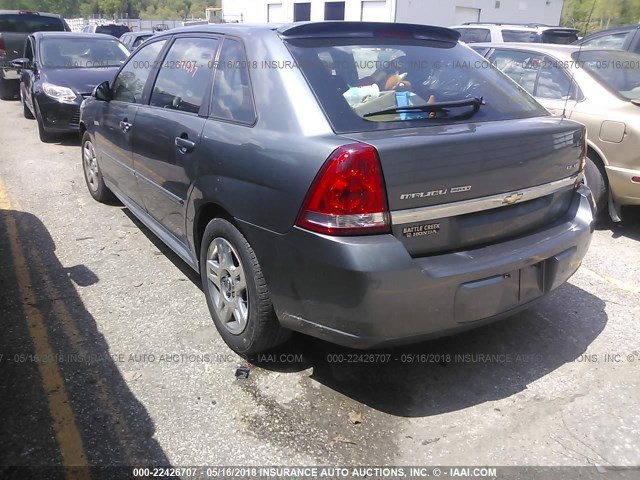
[
  {"x": 472, "y": 32},
  {"x": 53, "y": 69},
  {"x": 342, "y": 179},
  {"x": 619, "y": 38}
]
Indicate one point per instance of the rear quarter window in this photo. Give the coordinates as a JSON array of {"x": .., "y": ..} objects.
[{"x": 354, "y": 80}]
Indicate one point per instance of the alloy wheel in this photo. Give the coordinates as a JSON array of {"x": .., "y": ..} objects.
[
  {"x": 227, "y": 285},
  {"x": 90, "y": 165}
]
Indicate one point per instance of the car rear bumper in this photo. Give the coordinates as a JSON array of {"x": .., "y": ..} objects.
[
  {"x": 363, "y": 292},
  {"x": 59, "y": 117},
  {"x": 623, "y": 189}
]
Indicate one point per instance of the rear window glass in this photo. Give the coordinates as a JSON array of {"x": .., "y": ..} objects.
[
  {"x": 614, "y": 41},
  {"x": 473, "y": 35},
  {"x": 521, "y": 36},
  {"x": 422, "y": 82},
  {"x": 29, "y": 23},
  {"x": 559, "y": 37},
  {"x": 115, "y": 30}
]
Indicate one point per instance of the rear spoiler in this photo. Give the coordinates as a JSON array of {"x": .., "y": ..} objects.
[
  {"x": 560, "y": 30},
  {"x": 340, "y": 29}
]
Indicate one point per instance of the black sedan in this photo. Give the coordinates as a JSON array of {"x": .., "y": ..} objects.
[{"x": 59, "y": 70}]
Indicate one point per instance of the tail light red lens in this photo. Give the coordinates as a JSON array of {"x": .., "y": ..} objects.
[
  {"x": 583, "y": 156},
  {"x": 580, "y": 179},
  {"x": 348, "y": 196},
  {"x": 2, "y": 50}
]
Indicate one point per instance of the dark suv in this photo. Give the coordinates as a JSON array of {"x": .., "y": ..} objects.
[
  {"x": 360, "y": 182},
  {"x": 113, "y": 29},
  {"x": 15, "y": 27}
]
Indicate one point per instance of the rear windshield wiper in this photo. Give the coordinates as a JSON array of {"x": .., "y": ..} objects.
[{"x": 436, "y": 107}]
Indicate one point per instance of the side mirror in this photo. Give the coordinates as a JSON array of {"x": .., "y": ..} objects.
[
  {"x": 21, "y": 63},
  {"x": 102, "y": 92}
]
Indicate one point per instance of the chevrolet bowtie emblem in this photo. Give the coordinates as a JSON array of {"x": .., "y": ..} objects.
[{"x": 513, "y": 198}]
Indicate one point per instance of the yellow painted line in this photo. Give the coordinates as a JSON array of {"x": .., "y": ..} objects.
[
  {"x": 64, "y": 424},
  {"x": 613, "y": 281}
]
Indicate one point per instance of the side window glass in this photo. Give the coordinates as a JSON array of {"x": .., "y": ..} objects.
[
  {"x": 184, "y": 76},
  {"x": 615, "y": 41},
  {"x": 553, "y": 82},
  {"x": 129, "y": 84},
  {"x": 521, "y": 67},
  {"x": 232, "y": 98}
]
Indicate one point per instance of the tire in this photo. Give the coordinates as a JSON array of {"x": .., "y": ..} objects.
[
  {"x": 45, "y": 136},
  {"x": 25, "y": 110},
  {"x": 92, "y": 174},
  {"x": 597, "y": 181},
  {"x": 236, "y": 292}
]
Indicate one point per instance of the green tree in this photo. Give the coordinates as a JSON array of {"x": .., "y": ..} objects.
[{"x": 592, "y": 15}]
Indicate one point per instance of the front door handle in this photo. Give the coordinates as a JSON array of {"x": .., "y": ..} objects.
[
  {"x": 125, "y": 126},
  {"x": 185, "y": 145}
]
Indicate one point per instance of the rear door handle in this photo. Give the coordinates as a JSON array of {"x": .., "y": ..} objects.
[
  {"x": 184, "y": 145},
  {"x": 124, "y": 125}
]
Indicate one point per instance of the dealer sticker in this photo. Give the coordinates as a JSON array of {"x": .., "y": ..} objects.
[{"x": 421, "y": 230}]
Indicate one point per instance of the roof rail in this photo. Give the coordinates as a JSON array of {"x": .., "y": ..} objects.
[{"x": 532, "y": 25}]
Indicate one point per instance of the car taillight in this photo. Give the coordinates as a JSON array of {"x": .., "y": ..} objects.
[
  {"x": 348, "y": 195},
  {"x": 583, "y": 154},
  {"x": 2, "y": 50},
  {"x": 581, "y": 137}
]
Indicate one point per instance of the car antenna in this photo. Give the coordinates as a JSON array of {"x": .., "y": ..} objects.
[{"x": 573, "y": 72}]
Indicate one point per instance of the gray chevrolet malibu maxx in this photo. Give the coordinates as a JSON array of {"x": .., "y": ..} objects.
[{"x": 366, "y": 183}]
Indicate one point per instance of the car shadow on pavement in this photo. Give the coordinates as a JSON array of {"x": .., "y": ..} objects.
[
  {"x": 67, "y": 140},
  {"x": 186, "y": 270},
  {"x": 62, "y": 396},
  {"x": 629, "y": 227},
  {"x": 456, "y": 372}
]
